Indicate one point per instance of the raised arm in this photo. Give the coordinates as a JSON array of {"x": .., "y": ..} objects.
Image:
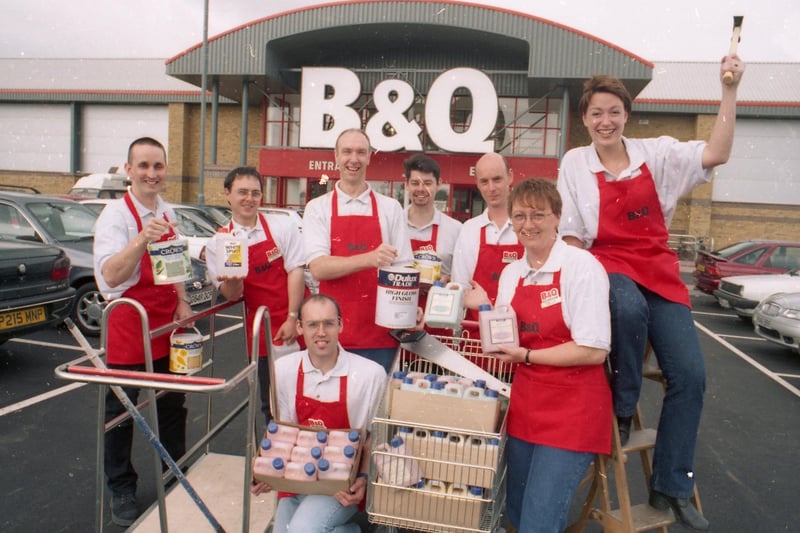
[{"x": 718, "y": 149}]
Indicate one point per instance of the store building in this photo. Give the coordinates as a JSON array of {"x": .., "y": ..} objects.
[{"x": 453, "y": 80}]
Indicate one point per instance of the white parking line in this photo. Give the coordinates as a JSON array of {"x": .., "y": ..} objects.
[
  {"x": 792, "y": 376},
  {"x": 764, "y": 370},
  {"x": 743, "y": 338},
  {"x": 13, "y": 408}
]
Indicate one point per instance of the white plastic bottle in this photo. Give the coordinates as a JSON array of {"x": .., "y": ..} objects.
[
  {"x": 301, "y": 471},
  {"x": 269, "y": 466},
  {"x": 328, "y": 470},
  {"x": 394, "y": 467},
  {"x": 434, "y": 485},
  {"x": 270, "y": 448},
  {"x": 232, "y": 254},
  {"x": 335, "y": 454},
  {"x": 312, "y": 438},
  {"x": 498, "y": 327},
  {"x": 281, "y": 432},
  {"x": 342, "y": 438},
  {"x": 445, "y": 306}
]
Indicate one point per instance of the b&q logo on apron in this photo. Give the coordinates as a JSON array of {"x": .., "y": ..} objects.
[
  {"x": 509, "y": 257},
  {"x": 273, "y": 254}
]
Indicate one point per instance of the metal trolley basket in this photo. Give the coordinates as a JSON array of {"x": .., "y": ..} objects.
[{"x": 457, "y": 445}]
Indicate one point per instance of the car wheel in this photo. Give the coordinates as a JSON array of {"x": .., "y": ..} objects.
[{"x": 88, "y": 310}]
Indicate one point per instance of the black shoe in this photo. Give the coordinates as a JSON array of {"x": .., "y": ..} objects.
[
  {"x": 685, "y": 512},
  {"x": 124, "y": 510},
  {"x": 624, "y": 424}
]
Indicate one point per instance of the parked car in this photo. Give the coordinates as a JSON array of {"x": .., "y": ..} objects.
[
  {"x": 103, "y": 185},
  {"x": 71, "y": 226},
  {"x": 744, "y": 258},
  {"x": 216, "y": 215},
  {"x": 744, "y": 293},
  {"x": 293, "y": 215},
  {"x": 34, "y": 287},
  {"x": 777, "y": 319}
]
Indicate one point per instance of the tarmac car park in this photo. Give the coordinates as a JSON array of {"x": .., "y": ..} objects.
[
  {"x": 70, "y": 226},
  {"x": 746, "y": 466}
]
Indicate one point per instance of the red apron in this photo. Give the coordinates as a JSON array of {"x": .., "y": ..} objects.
[
  {"x": 492, "y": 259},
  {"x": 266, "y": 283},
  {"x": 317, "y": 414},
  {"x": 125, "y": 345},
  {"x": 567, "y": 407},
  {"x": 632, "y": 236},
  {"x": 356, "y": 293}
]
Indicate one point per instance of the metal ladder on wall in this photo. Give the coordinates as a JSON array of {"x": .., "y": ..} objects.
[{"x": 626, "y": 518}]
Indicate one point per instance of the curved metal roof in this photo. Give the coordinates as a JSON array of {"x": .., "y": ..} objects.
[{"x": 414, "y": 40}]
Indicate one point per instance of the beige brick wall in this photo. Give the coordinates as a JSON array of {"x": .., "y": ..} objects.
[{"x": 720, "y": 223}]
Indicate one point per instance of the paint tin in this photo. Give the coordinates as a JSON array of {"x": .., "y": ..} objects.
[
  {"x": 185, "y": 352},
  {"x": 429, "y": 265},
  {"x": 398, "y": 297},
  {"x": 170, "y": 261}
]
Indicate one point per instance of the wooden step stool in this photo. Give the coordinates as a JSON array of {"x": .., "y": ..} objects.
[{"x": 626, "y": 518}]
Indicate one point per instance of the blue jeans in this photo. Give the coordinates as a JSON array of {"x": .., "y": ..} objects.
[
  {"x": 637, "y": 315},
  {"x": 540, "y": 485},
  {"x": 382, "y": 356},
  {"x": 313, "y": 514}
]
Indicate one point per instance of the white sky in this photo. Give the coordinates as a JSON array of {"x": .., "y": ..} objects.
[{"x": 663, "y": 30}]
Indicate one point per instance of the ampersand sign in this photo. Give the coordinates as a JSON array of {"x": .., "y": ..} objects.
[{"x": 391, "y": 112}]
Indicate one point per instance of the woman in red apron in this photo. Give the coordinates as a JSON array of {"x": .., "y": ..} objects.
[
  {"x": 619, "y": 198},
  {"x": 559, "y": 416}
]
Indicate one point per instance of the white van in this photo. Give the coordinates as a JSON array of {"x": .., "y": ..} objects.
[{"x": 103, "y": 185}]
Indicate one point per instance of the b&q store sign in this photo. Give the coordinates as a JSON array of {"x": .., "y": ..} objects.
[{"x": 327, "y": 95}]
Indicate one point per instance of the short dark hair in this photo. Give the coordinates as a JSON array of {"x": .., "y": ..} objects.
[
  {"x": 533, "y": 191},
  {"x": 242, "y": 171},
  {"x": 148, "y": 141},
  {"x": 318, "y": 298},
  {"x": 604, "y": 84},
  {"x": 421, "y": 163}
]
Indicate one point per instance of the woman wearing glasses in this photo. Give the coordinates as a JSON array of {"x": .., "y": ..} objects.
[{"x": 560, "y": 411}]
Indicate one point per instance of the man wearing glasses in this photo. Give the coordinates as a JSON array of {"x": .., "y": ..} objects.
[
  {"x": 275, "y": 274},
  {"x": 325, "y": 386}
]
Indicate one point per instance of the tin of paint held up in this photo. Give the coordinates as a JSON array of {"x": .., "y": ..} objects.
[{"x": 398, "y": 297}]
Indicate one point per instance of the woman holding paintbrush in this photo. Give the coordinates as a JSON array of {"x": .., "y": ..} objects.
[{"x": 619, "y": 197}]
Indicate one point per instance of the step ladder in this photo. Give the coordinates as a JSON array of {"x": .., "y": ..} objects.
[{"x": 625, "y": 518}]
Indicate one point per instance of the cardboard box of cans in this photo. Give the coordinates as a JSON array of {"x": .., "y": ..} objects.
[{"x": 327, "y": 487}]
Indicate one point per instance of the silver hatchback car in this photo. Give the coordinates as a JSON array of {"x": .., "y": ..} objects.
[{"x": 777, "y": 319}]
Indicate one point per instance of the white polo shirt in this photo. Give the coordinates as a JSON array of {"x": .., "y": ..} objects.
[
  {"x": 677, "y": 168},
  {"x": 366, "y": 381},
  {"x": 116, "y": 227},
  {"x": 317, "y": 223},
  {"x": 449, "y": 229},
  {"x": 584, "y": 291},
  {"x": 465, "y": 254}
]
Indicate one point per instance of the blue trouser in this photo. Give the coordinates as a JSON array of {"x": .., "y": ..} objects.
[
  {"x": 637, "y": 315},
  {"x": 540, "y": 485},
  {"x": 313, "y": 514}
]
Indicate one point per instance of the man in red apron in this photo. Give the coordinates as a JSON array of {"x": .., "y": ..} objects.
[
  {"x": 487, "y": 242},
  {"x": 122, "y": 269},
  {"x": 433, "y": 234},
  {"x": 349, "y": 233},
  {"x": 328, "y": 387},
  {"x": 275, "y": 275}
]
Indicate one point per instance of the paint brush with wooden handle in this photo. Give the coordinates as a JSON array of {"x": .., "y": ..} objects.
[{"x": 727, "y": 78}]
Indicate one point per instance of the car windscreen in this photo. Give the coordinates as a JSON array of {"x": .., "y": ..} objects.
[{"x": 64, "y": 221}]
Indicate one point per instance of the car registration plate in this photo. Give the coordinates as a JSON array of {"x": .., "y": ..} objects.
[
  {"x": 199, "y": 297},
  {"x": 22, "y": 317}
]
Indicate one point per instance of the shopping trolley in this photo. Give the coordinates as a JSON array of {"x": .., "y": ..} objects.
[{"x": 449, "y": 472}]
